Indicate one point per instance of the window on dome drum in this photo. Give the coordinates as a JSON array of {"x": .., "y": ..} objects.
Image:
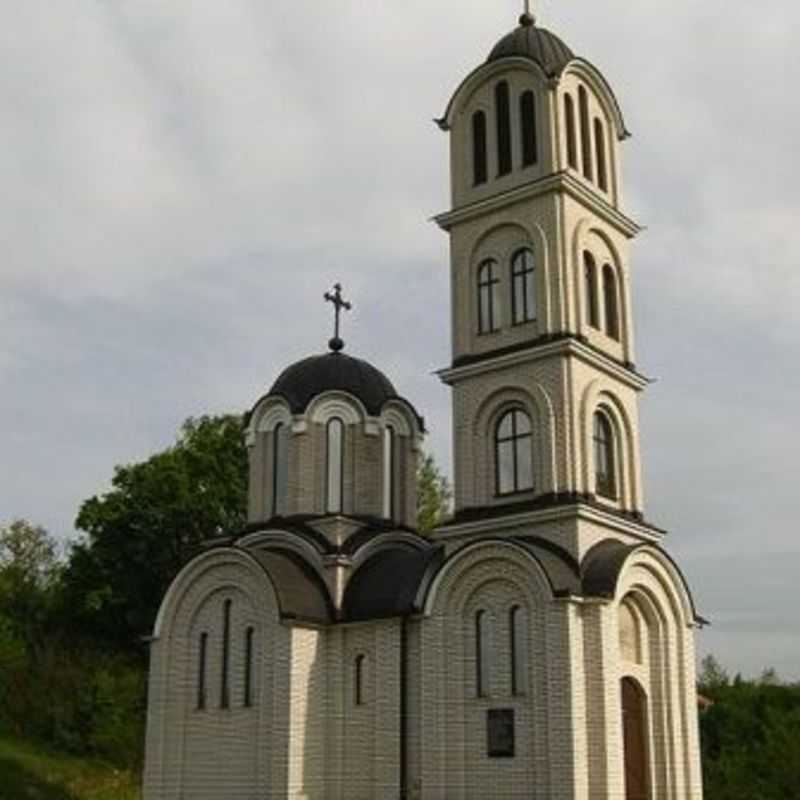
[
  {"x": 516, "y": 620},
  {"x": 202, "y": 658},
  {"x": 225, "y": 695},
  {"x": 523, "y": 287},
  {"x": 590, "y": 289},
  {"x": 586, "y": 133},
  {"x": 359, "y": 680},
  {"x": 488, "y": 310},
  {"x": 483, "y": 654},
  {"x": 247, "y": 700},
  {"x": 388, "y": 471},
  {"x": 479, "y": 162},
  {"x": 610, "y": 300},
  {"x": 335, "y": 466},
  {"x": 600, "y": 154},
  {"x": 572, "y": 144},
  {"x": 527, "y": 113},
  {"x": 280, "y": 469},
  {"x": 502, "y": 100},
  {"x": 514, "y": 453},
  {"x": 605, "y": 457}
]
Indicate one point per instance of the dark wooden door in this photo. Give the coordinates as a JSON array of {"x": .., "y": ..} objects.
[{"x": 634, "y": 724}]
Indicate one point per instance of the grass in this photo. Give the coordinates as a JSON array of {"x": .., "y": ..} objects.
[{"x": 28, "y": 772}]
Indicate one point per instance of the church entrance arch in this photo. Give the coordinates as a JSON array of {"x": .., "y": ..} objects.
[{"x": 634, "y": 726}]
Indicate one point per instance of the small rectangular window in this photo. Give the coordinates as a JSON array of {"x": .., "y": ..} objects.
[{"x": 500, "y": 732}]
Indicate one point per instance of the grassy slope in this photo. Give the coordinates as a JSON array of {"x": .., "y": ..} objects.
[{"x": 29, "y": 773}]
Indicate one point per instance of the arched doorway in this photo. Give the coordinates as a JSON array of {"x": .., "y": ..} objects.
[{"x": 634, "y": 727}]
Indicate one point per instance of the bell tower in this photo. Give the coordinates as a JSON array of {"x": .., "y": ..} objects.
[{"x": 545, "y": 388}]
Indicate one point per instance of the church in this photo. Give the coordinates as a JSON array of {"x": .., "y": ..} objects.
[{"x": 538, "y": 645}]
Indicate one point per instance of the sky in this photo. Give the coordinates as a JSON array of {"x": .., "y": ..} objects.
[{"x": 183, "y": 179}]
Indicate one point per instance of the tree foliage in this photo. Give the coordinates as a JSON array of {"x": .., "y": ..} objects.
[
  {"x": 156, "y": 515},
  {"x": 433, "y": 495}
]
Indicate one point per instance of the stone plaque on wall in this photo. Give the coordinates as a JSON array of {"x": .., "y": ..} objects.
[{"x": 500, "y": 732}]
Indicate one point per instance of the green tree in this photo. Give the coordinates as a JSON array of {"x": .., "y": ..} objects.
[
  {"x": 434, "y": 495},
  {"x": 156, "y": 516},
  {"x": 712, "y": 675}
]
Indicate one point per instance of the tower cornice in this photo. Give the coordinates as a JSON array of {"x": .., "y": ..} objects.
[
  {"x": 568, "y": 345},
  {"x": 559, "y": 182}
]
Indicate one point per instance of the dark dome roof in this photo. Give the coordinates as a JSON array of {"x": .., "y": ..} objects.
[
  {"x": 300, "y": 383},
  {"x": 537, "y": 44}
]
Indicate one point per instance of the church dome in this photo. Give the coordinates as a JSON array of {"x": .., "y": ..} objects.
[
  {"x": 300, "y": 383},
  {"x": 536, "y": 44}
]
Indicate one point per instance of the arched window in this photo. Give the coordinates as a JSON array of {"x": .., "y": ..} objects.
[
  {"x": 605, "y": 457},
  {"x": 527, "y": 114},
  {"x": 388, "y": 471},
  {"x": 590, "y": 289},
  {"x": 514, "y": 453},
  {"x": 488, "y": 311},
  {"x": 483, "y": 654},
  {"x": 358, "y": 688},
  {"x": 335, "y": 466},
  {"x": 225, "y": 692},
  {"x": 610, "y": 300},
  {"x": 202, "y": 658},
  {"x": 634, "y": 738},
  {"x": 248, "y": 667},
  {"x": 280, "y": 469},
  {"x": 523, "y": 287},
  {"x": 516, "y": 625},
  {"x": 569, "y": 119},
  {"x": 586, "y": 133},
  {"x": 480, "y": 169},
  {"x": 600, "y": 154},
  {"x": 502, "y": 100}
]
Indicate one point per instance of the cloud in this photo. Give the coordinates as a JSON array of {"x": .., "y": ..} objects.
[{"x": 182, "y": 181}]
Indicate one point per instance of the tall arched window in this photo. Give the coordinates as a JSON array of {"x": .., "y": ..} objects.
[
  {"x": 514, "y": 453},
  {"x": 569, "y": 121},
  {"x": 523, "y": 287},
  {"x": 600, "y": 154},
  {"x": 502, "y": 100},
  {"x": 516, "y": 626},
  {"x": 527, "y": 114},
  {"x": 359, "y": 680},
  {"x": 488, "y": 310},
  {"x": 389, "y": 486},
  {"x": 247, "y": 699},
  {"x": 634, "y": 738},
  {"x": 480, "y": 169},
  {"x": 605, "y": 457},
  {"x": 202, "y": 658},
  {"x": 483, "y": 654},
  {"x": 280, "y": 469},
  {"x": 610, "y": 300},
  {"x": 335, "y": 466},
  {"x": 590, "y": 289},
  {"x": 586, "y": 133},
  {"x": 225, "y": 692}
]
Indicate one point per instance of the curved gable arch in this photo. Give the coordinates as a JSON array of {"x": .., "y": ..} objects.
[
  {"x": 331, "y": 405},
  {"x": 483, "y": 556},
  {"x": 588, "y": 73},
  {"x": 267, "y": 413}
]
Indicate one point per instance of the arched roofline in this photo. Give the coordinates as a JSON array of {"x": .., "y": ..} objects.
[
  {"x": 196, "y": 567},
  {"x": 432, "y": 587},
  {"x": 263, "y": 408},
  {"x": 478, "y": 76},
  {"x": 604, "y": 565},
  {"x": 316, "y": 543},
  {"x": 588, "y": 72},
  {"x": 366, "y": 542}
]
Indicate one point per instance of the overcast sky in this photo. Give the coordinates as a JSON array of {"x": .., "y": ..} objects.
[{"x": 183, "y": 179}]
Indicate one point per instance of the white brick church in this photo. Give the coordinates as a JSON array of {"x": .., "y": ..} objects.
[{"x": 540, "y": 645}]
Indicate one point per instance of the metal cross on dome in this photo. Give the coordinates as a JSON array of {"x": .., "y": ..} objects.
[{"x": 336, "y": 344}]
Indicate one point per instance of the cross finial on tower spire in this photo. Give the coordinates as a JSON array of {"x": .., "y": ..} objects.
[
  {"x": 336, "y": 344},
  {"x": 527, "y": 19}
]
